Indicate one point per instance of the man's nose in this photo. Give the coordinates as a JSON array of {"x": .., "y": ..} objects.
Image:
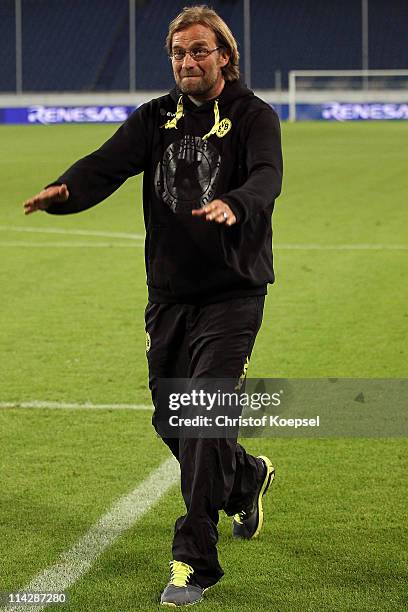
[{"x": 188, "y": 61}]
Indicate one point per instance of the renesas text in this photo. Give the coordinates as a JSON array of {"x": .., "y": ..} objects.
[
  {"x": 341, "y": 111},
  {"x": 77, "y": 114}
]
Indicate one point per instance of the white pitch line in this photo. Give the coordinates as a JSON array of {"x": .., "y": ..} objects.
[
  {"x": 341, "y": 247},
  {"x": 70, "y": 232},
  {"x": 139, "y": 238},
  {"x": 33, "y": 404},
  {"x": 77, "y": 561},
  {"x": 277, "y": 247},
  {"x": 70, "y": 245}
]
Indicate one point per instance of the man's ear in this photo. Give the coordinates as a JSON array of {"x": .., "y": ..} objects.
[{"x": 224, "y": 57}]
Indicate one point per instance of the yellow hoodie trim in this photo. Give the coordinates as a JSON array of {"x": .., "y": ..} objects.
[
  {"x": 172, "y": 123},
  {"x": 220, "y": 128}
]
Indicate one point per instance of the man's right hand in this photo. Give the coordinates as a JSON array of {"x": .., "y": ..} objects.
[{"x": 46, "y": 197}]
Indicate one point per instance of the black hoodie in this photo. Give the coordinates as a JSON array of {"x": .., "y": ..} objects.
[{"x": 227, "y": 148}]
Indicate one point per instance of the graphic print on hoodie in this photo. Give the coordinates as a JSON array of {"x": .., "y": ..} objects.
[{"x": 186, "y": 178}]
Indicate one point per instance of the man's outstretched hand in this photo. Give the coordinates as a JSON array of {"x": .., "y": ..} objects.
[
  {"x": 217, "y": 211},
  {"x": 46, "y": 197}
]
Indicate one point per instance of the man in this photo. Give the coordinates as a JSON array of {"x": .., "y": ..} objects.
[{"x": 211, "y": 156}]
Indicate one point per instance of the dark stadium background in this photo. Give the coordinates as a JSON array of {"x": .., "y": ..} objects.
[{"x": 76, "y": 45}]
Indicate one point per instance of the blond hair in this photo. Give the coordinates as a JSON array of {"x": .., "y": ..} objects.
[{"x": 203, "y": 15}]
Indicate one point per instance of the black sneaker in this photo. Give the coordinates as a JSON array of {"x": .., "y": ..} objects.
[
  {"x": 247, "y": 524},
  {"x": 182, "y": 589}
]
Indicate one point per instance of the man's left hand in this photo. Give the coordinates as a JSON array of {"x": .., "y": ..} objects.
[{"x": 217, "y": 211}]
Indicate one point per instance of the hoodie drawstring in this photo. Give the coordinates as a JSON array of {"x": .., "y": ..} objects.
[
  {"x": 172, "y": 123},
  {"x": 216, "y": 121}
]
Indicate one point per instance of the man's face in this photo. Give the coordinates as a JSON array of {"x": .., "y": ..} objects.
[{"x": 202, "y": 79}]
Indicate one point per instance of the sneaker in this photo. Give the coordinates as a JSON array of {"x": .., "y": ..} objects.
[
  {"x": 247, "y": 524},
  {"x": 182, "y": 589}
]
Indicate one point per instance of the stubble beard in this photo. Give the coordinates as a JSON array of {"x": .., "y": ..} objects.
[{"x": 197, "y": 86}]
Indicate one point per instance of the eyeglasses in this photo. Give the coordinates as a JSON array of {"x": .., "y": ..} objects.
[{"x": 197, "y": 53}]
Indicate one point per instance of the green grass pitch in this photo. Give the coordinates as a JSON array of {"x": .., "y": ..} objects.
[{"x": 71, "y": 330}]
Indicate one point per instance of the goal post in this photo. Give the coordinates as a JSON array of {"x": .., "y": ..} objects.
[{"x": 358, "y": 86}]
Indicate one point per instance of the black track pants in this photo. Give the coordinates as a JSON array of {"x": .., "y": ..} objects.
[{"x": 212, "y": 341}]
